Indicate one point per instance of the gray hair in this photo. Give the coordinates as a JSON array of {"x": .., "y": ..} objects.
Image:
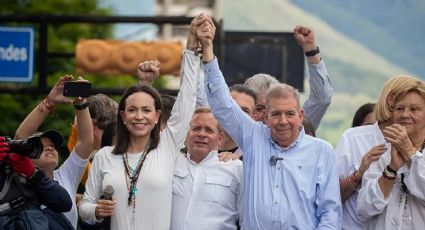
[
  {"x": 282, "y": 90},
  {"x": 261, "y": 82},
  {"x": 103, "y": 110}
]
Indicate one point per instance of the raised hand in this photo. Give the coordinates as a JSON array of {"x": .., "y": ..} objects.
[
  {"x": 372, "y": 155},
  {"x": 305, "y": 37},
  {"x": 148, "y": 71},
  {"x": 397, "y": 135},
  {"x": 56, "y": 94},
  {"x": 80, "y": 100},
  {"x": 206, "y": 31},
  {"x": 192, "y": 40}
]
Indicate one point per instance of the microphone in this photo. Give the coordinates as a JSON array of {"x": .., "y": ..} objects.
[
  {"x": 274, "y": 159},
  {"x": 108, "y": 192}
]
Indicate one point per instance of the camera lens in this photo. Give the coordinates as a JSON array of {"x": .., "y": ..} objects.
[{"x": 31, "y": 147}]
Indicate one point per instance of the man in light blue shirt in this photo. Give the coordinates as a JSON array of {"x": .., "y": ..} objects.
[{"x": 290, "y": 178}]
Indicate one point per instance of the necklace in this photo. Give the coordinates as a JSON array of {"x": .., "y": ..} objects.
[{"x": 132, "y": 175}]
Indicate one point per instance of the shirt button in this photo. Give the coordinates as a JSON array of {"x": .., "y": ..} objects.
[
  {"x": 278, "y": 168},
  {"x": 275, "y": 202},
  {"x": 277, "y": 186}
]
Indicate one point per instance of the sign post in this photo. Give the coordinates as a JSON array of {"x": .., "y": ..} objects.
[{"x": 16, "y": 54}]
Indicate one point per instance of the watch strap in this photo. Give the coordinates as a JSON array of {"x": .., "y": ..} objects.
[{"x": 312, "y": 52}]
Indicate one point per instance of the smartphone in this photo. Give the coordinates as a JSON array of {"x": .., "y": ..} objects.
[{"x": 77, "y": 89}]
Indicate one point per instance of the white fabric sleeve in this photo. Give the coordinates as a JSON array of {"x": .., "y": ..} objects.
[{"x": 88, "y": 205}]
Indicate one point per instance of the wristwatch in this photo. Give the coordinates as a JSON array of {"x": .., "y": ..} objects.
[
  {"x": 81, "y": 106},
  {"x": 311, "y": 53}
]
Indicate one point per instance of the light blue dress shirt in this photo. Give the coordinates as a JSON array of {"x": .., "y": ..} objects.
[{"x": 301, "y": 191}]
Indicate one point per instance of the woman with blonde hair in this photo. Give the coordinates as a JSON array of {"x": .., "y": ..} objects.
[
  {"x": 360, "y": 146},
  {"x": 393, "y": 193}
]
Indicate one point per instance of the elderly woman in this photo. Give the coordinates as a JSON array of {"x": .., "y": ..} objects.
[
  {"x": 393, "y": 195},
  {"x": 360, "y": 146}
]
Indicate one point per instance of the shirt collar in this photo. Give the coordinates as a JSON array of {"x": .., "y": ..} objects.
[{"x": 210, "y": 155}]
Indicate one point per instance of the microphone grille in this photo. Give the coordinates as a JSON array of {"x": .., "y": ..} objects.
[{"x": 108, "y": 191}]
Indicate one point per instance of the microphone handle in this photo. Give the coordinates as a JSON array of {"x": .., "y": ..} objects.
[{"x": 106, "y": 223}]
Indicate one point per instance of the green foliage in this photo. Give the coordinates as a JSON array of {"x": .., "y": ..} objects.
[
  {"x": 62, "y": 38},
  {"x": 348, "y": 78},
  {"x": 387, "y": 27}
]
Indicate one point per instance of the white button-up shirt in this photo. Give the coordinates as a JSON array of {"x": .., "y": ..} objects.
[
  {"x": 206, "y": 195},
  {"x": 400, "y": 210},
  {"x": 354, "y": 143}
]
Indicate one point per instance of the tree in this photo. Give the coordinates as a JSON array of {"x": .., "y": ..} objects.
[{"x": 62, "y": 37}]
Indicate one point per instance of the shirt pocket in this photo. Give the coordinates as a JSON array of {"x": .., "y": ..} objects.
[
  {"x": 220, "y": 189},
  {"x": 181, "y": 177}
]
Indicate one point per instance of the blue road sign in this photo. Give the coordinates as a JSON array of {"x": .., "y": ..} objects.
[{"x": 16, "y": 54}]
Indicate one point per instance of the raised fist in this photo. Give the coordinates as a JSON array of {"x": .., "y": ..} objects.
[
  {"x": 148, "y": 71},
  {"x": 305, "y": 37}
]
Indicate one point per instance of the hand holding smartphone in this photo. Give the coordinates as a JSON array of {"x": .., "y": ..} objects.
[{"x": 77, "y": 89}]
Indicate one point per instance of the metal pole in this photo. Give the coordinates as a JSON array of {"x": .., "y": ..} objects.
[{"x": 42, "y": 54}]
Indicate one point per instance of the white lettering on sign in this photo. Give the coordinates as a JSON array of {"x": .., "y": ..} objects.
[{"x": 12, "y": 53}]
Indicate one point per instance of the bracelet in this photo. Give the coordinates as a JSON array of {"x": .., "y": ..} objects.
[
  {"x": 389, "y": 169},
  {"x": 354, "y": 179},
  {"x": 389, "y": 175},
  {"x": 312, "y": 53},
  {"x": 197, "y": 50},
  {"x": 80, "y": 106},
  {"x": 47, "y": 103}
]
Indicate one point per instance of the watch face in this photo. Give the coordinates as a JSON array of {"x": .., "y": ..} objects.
[
  {"x": 312, "y": 52},
  {"x": 82, "y": 106}
]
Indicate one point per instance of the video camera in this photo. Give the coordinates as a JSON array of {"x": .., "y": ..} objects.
[{"x": 30, "y": 147}]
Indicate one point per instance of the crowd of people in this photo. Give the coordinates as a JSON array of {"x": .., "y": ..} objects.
[{"x": 220, "y": 157}]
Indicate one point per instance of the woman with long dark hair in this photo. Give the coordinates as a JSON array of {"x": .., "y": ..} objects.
[{"x": 140, "y": 167}]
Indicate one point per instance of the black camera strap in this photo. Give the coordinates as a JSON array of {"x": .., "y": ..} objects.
[
  {"x": 6, "y": 186},
  {"x": 14, "y": 195}
]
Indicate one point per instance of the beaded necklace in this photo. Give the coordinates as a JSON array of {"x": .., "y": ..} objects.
[
  {"x": 131, "y": 176},
  {"x": 405, "y": 193}
]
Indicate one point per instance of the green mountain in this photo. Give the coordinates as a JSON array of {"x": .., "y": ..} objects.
[
  {"x": 391, "y": 28},
  {"x": 357, "y": 72}
]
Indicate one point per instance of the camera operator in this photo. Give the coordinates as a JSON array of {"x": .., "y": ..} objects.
[
  {"x": 69, "y": 174},
  {"x": 23, "y": 189}
]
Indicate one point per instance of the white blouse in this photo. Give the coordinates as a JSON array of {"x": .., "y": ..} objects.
[{"x": 154, "y": 186}]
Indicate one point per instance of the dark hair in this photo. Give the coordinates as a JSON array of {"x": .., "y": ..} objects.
[
  {"x": 167, "y": 102},
  {"x": 243, "y": 89},
  {"x": 108, "y": 135},
  {"x": 309, "y": 127},
  {"x": 102, "y": 110},
  {"x": 123, "y": 136},
  {"x": 362, "y": 113}
]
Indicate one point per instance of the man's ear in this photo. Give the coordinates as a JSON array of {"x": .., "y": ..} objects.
[
  {"x": 220, "y": 138},
  {"x": 301, "y": 114},
  {"x": 266, "y": 117}
]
